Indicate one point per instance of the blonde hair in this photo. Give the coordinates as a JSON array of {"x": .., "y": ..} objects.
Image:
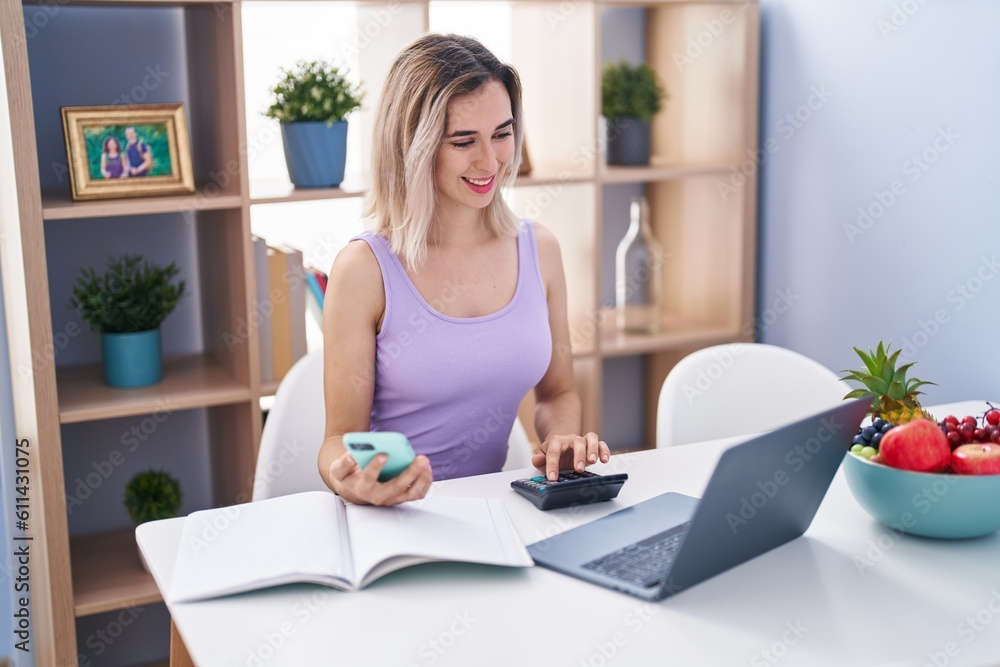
[{"x": 410, "y": 124}]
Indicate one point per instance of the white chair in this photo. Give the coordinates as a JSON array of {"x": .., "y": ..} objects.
[
  {"x": 296, "y": 425},
  {"x": 518, "y": 448},
  {"x": 739, "y": 389}
]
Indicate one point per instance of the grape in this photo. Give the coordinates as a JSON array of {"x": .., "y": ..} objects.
[
  {"x": 954, "y": 439},
  {"x": 993, "y": 417},
  {"x": 869, "y": 432},
  {"x": 951, "y": 419},
  {"x": 980, "y": 435},
  {"x": 859, "y": 440},
  {"x": 888, "y": 427},
  {"x": 966, "y": 432},
  {"x": 996, "y": 436},
  {"x": 879, "y": 423},
  {"x": 856, "y": 449},
  {"x": 877, "y": 439},
  {"x": 971, "y": 421},
  {"x": 868, "y": 452}
]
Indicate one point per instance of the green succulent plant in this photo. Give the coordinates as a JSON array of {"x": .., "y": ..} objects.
[
  {"x": 313, "y": 90},
  {"x": 630, "y": 91},
  {"x": 132, "y": 296},
  {"x": 151, "y": 495}
]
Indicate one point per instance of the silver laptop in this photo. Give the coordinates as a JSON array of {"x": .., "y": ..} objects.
[{"x": 764, "y": 492}]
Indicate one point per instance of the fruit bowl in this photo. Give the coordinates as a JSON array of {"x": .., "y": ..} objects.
[{"x": 929, "y": 504}]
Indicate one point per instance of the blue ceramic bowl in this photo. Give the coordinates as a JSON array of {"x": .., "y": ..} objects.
[{"x": 928, "y": 504}]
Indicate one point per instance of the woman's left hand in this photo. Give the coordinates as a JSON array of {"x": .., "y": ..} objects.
[{"x": 570, "y": 452}]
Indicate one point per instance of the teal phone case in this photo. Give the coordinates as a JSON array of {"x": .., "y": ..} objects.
[{"x": 364, "y": 446}]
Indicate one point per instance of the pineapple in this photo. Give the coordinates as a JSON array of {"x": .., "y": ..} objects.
[{"x": 894, "y": 397}]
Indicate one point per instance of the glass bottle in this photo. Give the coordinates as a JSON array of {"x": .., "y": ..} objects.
[{"x": 638, "y": 274}]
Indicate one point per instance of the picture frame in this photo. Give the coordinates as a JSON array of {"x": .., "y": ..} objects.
[{"x": 134, "y": 150}]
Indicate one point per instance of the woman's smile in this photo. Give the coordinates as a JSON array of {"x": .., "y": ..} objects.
[{"x": 480, "y": 185}]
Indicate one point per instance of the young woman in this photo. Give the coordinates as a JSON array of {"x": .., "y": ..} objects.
[
  {"x": 441, "y": 319},
  {"x": 112, "y": 161}
]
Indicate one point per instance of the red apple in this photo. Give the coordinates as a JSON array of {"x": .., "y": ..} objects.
[
  {"x": 978, "y": 458},
  {"x": 919, "y": 445}
]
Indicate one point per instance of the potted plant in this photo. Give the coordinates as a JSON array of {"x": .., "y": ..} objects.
[
  {"x": 126, "y": 306},
  {"x": 630, "y": 96},
  {"x": 151, "y": 495},
  {"x": 311, "y": 102}
]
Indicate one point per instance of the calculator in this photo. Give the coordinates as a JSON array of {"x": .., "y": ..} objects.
[{"x": 571, "y": 488}]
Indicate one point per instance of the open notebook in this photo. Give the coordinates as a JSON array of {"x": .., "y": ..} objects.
[{"x": 317, "y": 537}]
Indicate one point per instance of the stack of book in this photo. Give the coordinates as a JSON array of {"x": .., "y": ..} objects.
[{"x": 285, "y": 290}]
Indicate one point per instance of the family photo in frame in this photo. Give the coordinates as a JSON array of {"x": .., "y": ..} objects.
[{"x": 127, "y": 151}]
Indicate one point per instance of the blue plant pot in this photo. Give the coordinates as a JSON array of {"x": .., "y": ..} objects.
[
  {"x": 132, "y": 359},
  {"x": 628, "y": 142},
  {"x": 315, "y": 153}
]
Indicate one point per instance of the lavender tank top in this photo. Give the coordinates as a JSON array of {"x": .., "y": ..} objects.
[{"x": 453, "y": 385}]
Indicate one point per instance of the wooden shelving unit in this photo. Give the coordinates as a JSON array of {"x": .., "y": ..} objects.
[
  {"x": 283, "y": 192},
  {"x": 192, "y": 381},
  {"x": 108, "y": 574},
  {"x": 659, "y": 170},
  {"x": 59, "y": 206},
  {"x": 708, "y": 128},
  {"x": 615, "y": 343}
]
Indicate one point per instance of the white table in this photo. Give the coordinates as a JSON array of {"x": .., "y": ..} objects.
[{"x": 850, "y": 592}]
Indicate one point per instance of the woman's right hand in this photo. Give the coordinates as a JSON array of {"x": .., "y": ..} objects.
[{"x": 361, "y": 486}]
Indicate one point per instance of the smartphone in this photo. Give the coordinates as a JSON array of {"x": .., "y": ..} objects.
[{"x": 365, "y": 446}]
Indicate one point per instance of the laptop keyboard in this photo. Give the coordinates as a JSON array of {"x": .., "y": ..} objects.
[{"x": 643, "y": 563}]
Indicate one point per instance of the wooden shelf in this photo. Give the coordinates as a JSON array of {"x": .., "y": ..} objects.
[
  {"x": 108, "y": 574},
  {"x": 548, "y": 175},
  {"x": 615, "y": 343},
  {"x": 660, "y": 170},
  {"x": 283, "y": 192},
  {"x": 191, "y": 381},
  {"x": 60, "y": 206}
]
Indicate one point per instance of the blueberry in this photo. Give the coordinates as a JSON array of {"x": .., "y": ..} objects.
[
  {"x": 859, "y": 440},
  {"x": 876, "y": 439},
  {"x": 879, "y": 424},
  {"x": 869, "y": 432}
]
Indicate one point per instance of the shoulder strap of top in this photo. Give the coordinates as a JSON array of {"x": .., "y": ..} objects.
[{"x": 528, "y": 254}]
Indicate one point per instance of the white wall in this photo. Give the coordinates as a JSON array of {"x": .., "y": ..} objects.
[{"x": 899, "y": 79}]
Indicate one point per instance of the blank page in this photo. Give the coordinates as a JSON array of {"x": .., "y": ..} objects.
[
  {"x": 473, "y": 530},
  {"x": 295, "y": 538}
]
